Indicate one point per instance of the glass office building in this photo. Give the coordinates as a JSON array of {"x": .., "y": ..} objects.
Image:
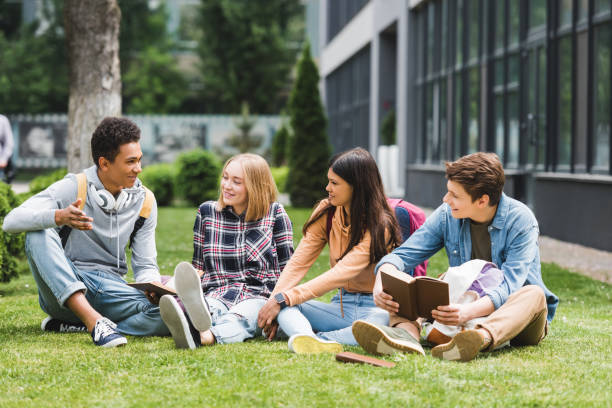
[{"x": 527, "y": 79}]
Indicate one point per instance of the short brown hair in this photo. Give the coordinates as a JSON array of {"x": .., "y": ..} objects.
[
  {"x": 479, "y": 173},
  {"x": 259, "y": 183}
]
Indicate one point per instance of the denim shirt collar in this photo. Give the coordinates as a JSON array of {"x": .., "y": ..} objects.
[{"x": 499, "y": 221}]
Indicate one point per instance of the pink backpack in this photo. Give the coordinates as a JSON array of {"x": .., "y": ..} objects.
[{"x": 409, "y": 217}]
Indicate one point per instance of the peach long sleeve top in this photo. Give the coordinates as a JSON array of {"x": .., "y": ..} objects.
[{"x": 353, "y": 272}]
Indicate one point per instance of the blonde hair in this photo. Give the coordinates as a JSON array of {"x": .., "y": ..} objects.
[{"x": 259, "y": 183}]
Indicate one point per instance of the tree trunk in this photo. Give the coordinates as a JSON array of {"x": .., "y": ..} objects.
[{"x": 92, "y": 38}]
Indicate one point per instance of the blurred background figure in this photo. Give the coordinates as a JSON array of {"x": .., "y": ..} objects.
[{"x": 6, "y": 150}]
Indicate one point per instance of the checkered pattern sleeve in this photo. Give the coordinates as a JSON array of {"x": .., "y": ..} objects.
[
  {"x": 199, "y": 233},
  {"x": 283, "y": 236}
]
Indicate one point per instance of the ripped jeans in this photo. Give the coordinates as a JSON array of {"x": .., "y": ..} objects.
[{"x": 236, "y": 324}]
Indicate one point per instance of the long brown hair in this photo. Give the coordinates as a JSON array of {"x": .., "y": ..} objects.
[{"x": 369, "y": 209}]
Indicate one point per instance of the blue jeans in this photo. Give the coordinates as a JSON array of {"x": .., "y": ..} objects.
[
  {"x": 326, "y": 318},
  {"x": 58, "y": 279},
  {"x": 235, "y": 324}
]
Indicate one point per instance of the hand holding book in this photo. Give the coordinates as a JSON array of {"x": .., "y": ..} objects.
[{"x": 416, "y": 297}]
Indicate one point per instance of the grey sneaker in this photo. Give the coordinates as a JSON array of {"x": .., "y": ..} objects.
[
  {"x": 189, "y": 290},
  {"x": 379, "y": 339},
  {"x": 309, "y": 344},
  {"x": 184, "y": 334}
]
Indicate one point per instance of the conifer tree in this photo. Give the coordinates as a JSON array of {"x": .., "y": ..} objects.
[{"x": 309, "y": 145}]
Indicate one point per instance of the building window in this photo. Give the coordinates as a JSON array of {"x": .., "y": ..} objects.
[
  {"x": 565, "y": 107},
  {"x": 348, "y": 102},
  {"x": 601, "y": 98}
]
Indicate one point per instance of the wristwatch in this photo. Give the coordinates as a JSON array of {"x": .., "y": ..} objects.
[{"x": 280, "y": 299}]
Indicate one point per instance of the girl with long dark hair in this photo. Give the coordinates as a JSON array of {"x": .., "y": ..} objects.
[{"x": 360, "y": 228}]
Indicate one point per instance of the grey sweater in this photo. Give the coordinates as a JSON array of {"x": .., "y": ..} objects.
[{"x": 103, "y": 247}]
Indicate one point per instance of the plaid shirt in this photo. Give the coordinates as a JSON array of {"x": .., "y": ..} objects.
[{"x": 240, "y": 260}]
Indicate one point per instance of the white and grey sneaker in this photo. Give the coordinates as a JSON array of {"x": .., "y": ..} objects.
[
  {"x": 189, "y": 290},
  {"x": 105, "y": 334},
  {"x": 51, "y": 324},
  {"x": 185, "y": 336}
]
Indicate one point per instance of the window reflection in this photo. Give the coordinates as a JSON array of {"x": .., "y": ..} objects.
[{"x": 601, "y": 96}]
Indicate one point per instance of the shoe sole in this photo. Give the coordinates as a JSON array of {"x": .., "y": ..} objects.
[
  {"x": 189, "y": 290},
  {"x": 175, "y": 320},
  {"x": 304, "y": 344},
  {"x": 463, "y": 347},
  {"x": 118, "y": 342},
  {"x": 375, "y": 341}
]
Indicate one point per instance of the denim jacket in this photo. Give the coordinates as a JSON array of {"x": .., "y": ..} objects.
[{"x": 514, "y": 248}]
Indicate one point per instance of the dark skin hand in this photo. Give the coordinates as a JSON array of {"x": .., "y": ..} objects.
[{"x": 73, "y": 217}]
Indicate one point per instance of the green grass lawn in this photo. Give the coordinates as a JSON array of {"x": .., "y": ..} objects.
[{"x": 571, "y": 367}]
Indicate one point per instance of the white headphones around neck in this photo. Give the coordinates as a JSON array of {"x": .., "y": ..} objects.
[{"x": 107, "y": 202}]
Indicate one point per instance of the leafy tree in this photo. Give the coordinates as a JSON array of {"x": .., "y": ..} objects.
[
  {"x": 33, "y": 68},
  {"x": 152, "y": 83},
  {"x": 387, "y": 129},
  {"x": 309, "y": 146},
  {"x": 34, "y": 61},
  {"x": 246, "y": 52}
]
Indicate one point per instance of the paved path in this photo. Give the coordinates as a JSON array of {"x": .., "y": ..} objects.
[{"x": 587, "y": 261}]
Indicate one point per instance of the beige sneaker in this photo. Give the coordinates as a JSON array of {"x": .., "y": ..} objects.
[
  {"x": 463, "y": 347},
  {"x": 379, "y": 339},
  {"x": 309, "y": 344}
]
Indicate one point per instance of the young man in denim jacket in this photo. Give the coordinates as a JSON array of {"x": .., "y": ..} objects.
[{"x": 476, "y": 221}]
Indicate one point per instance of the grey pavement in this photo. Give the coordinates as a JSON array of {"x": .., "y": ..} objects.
[
  {"x": 20, "y": 187},
  {"x": 587, "y": 261}
]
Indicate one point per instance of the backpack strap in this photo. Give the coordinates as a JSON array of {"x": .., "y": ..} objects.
[
  {"x": 65, "y": 231},
  {"x": 145, "y": 212}
]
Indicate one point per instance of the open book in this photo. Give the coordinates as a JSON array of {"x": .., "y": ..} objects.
[
  {"x": 156, "y": 287},
  {"x": 417, "y": 298}
]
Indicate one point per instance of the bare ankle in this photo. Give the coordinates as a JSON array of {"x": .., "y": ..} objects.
[
  {"x": 410, "y": 328},
  {"x": 487, "y": 339},
  {"x": 207, "y": 338}
]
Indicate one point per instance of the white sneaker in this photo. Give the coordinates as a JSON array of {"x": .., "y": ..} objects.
[
  {"x": 189, "y": 290},
  {"x": 309, "y": 344}
]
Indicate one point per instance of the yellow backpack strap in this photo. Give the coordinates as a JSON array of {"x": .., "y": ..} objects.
[
  {"x": 145, "y": 211},
  {"x": 82, "y": 189},
  {"x": 65, "y": 231}
]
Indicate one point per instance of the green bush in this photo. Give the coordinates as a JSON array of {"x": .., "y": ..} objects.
[
  {"x": 160, "y": 178},
  {"x": 40, "y": 183},
  {"x": 198, "y": 176},
  {"x": 280, "y": 177},
  {"x": 11, "y": 245}
]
